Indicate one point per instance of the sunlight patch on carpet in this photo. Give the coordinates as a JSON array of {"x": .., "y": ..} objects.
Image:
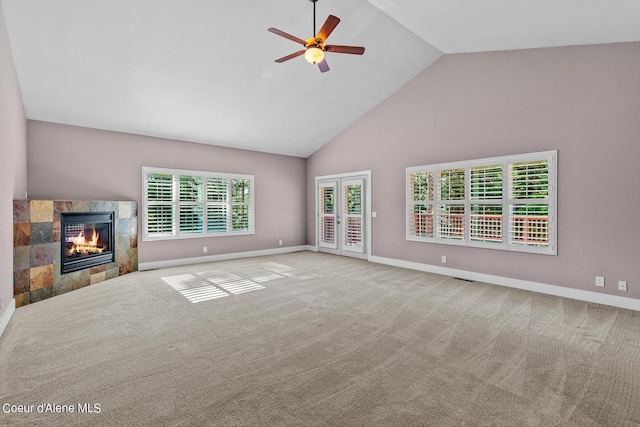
[{"x": 214, "y": 284}]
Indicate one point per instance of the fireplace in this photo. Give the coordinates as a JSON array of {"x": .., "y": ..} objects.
[{"x": 87, "y": 240}]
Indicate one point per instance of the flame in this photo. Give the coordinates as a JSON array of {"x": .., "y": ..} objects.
[{"x": 81, "y": 245}]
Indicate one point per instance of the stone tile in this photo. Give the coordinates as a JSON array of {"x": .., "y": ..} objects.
[
  {"x": 133, "y": 256},
  {"x": 56, "y": 253},
  {"x": 82, "y": 279},
  {"x": 41, "y": 232},
  {"x": 110, "y": 265},
  {"x": 21, "y": 211},
  {"x": 103, "y": 206},
  {"x": 41, "y": 254},
  {"x": 124, "y": 209},
  {"x": 56, "y": 231},
  {"x": 81, "y": 206},
  {"x": 22, "y": 234},
  {"x": 57, "y": 270},
  {"x": 134, "y": 233},
  {"x": 123, "y": 226},
  {"x": 41, "y": 277},
  {"x": 66, "y": 283},
  {"x": 62, "y": 287},
  {"x": 21, "y": 282},
  {"x": 123, "y": 245},
  {"x": 41, "y": 210},
  {"x": 60, "y": 206},
  {"x": 22, "y": 299},
  {"x": 22, "y": 258},
  {"x": 97, "y": 206},
  {"x": 112, "y": 273},
  {"x": 125, "y": 269},
  {"x": 97, "y": 277},
  {"x": 98, "y": 269},
  {"x": 41, "y": 294},
  {"x": 122, "y": 254}
]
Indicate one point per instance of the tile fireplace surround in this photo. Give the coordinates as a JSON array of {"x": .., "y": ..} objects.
[{"x": 36, "y": 247}]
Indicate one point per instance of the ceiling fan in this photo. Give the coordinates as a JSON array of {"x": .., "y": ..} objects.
[{"x": 315, "y": 47}]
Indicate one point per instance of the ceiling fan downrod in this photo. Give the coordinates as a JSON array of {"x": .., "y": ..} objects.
[{"x": 314, "y": 16}]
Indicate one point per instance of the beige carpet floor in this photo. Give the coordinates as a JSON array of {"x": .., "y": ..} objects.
[{"x": 309, "y": 339}]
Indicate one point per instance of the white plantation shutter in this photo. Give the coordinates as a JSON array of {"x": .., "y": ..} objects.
[
  {"x": 241, "y": 198},
  {"x": 160, "y": 220},
  {"x": 353, "y": 215},
  {"x": 191, "y": 221},
  {"x": 420, "y": 196},
  {"x": 530, "y": 204},
  {"x": 179, "y": 204},
  {"x": 451, "y": 204},
  {"x": 328, "y": 215},
  {"x": 191, "y": 192},
  {"x": 485, "y": 206},
  {"x": 217, "y": 205},
  {"x": 501, "y": 203},
  {"x": 159, "y": 196}
]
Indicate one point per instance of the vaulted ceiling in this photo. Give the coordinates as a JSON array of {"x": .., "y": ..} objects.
[{"x": 204, "y": 71}]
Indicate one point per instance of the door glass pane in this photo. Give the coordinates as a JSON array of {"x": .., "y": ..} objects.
[
  {"x": 353, "y": 231},
  {"x": 328, "y": 231},
  {"x": 353, "y": 199},
  {"x": 327, "y": 200}
]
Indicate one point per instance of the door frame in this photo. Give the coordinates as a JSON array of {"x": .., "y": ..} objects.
[{"x": 366, "y": 174}]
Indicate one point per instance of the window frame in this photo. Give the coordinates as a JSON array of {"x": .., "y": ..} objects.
[
  {"x": 507, "y": 242},
  {"x": 203, "y": 204}
]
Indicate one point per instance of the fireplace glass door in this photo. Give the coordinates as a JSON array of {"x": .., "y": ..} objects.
[{"x": 87, "y": 240}]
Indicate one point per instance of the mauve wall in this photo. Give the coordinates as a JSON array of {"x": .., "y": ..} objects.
[
  {"x": 68, "y": 162},
  {"x": 583, "y": 101},
  {"x": 13, "y": 160}
]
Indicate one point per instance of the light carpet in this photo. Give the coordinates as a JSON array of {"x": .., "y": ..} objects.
[{"x": 309, "y": 339}]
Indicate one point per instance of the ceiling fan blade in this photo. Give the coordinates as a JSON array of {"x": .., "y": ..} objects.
[
  {"x": 288, "y": 57},
  {"x": 328, "y": 26},
  {"x": 287, "y": 36},
  {"x": 354, "y": 50},
  {"x": 324, "y": 67}
]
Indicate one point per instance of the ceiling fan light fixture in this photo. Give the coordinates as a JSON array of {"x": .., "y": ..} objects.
[{"x": 314, "y": 55}]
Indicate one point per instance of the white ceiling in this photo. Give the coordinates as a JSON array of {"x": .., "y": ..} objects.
[{"x": 203, "y": 71}]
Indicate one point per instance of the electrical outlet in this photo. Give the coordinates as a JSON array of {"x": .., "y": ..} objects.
[
  {"x": 204, "y": 249},
  {"x": 280, "y": 242},
  {"x": 622, "y": 285},
  {"x": 444, "y": 259},
  {"x": 600, "y": 281}
]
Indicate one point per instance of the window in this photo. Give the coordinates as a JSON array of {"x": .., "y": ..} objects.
[
  {"x": 502, "y": 203},
  {"x": 182, "y": 204}
]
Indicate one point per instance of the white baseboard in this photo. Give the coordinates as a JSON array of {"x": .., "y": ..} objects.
[
  {"x": 6, "y": 316},
  {"x": 221, "y": 257},
  {"x": 578, "y": 294}
]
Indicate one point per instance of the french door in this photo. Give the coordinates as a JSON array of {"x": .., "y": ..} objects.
[{"x": 342, "y": 215}]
